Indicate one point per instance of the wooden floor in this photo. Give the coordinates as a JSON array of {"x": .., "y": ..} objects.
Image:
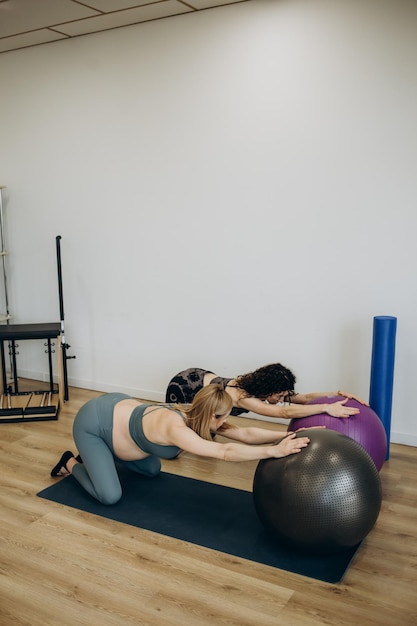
[{"x": 60, "y": 566}]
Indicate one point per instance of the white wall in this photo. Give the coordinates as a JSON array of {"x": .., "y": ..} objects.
[{"x": 232, "y": 188}]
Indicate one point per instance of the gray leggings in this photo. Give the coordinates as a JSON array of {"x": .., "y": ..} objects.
[{"x": 92, "y": 431}]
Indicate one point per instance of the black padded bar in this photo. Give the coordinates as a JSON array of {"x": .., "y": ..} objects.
[
  {"x": 29, "y": 331},
  {"x": 40, "y": 410},
  {"x": 11, "y": 411},
  {"x": 41, "y": 418}
]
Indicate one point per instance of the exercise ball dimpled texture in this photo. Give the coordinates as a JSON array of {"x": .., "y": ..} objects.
[{"x": 322, "y": 500}]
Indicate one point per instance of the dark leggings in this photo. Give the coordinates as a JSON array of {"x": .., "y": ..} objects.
[{"x": 92, "y": 431}]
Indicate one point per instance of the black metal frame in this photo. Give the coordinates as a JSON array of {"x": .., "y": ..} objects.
[{"x": 13, "y": 333}]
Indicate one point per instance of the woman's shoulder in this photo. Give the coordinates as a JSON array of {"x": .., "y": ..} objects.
[{"x": 221, "y": 380}]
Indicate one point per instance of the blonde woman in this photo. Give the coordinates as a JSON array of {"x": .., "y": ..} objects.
[{"x": 115, "y": 426}]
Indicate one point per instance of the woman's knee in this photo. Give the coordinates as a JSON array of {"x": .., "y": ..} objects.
[
  {"x": 109, "y": 497},
  {"x": 153, "y": 466},
  {"x": 150, "y": 466}
]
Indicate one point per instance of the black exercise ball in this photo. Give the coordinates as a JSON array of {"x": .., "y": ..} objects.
[{"x": 322, "y": 500}]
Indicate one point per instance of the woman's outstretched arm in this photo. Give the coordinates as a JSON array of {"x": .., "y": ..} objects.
[
  {"x": 304, "y": 398},
  {"x": 297, "y": 409},
  {"x": 189, "y": 441}
]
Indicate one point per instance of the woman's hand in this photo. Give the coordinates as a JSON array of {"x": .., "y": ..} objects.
[
  {"x": 290, "y": 445},
  {"x": 350, "y": 396},
  {"x": 338, "y": 409}
]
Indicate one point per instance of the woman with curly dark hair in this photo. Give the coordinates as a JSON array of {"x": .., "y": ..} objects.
[{"x": 268, "y": 391}]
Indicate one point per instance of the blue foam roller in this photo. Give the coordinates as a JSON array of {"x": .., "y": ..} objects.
[{"x": 382, "y": 370}]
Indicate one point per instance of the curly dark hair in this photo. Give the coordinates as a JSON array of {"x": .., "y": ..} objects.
[{"x": 267, "y": 380}]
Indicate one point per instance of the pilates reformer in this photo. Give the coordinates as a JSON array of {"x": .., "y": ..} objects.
[{"x": 16, "y": 404}]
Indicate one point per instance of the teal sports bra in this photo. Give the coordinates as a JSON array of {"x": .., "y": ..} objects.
[{"x": 136, "y": 432}]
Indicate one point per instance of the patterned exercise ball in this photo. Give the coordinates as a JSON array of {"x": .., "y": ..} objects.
[
  {"x": 322, "y": 500},
  {"x": 366, "y": 428}
]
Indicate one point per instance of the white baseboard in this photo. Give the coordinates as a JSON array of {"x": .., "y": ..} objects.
[
  {"x": 143, "y": 394},
  {"x": 403, "y": 438},
  {"x": 158, "y": 396}
]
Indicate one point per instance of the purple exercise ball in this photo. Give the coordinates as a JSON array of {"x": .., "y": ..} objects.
[{"x": 365, "y": 428}]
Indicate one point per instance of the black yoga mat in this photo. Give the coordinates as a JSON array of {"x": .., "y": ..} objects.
[{"x": 213, "y": 516}]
